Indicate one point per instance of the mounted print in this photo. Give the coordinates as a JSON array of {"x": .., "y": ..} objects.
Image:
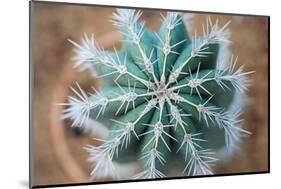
[{"x": 120, "y": 94}]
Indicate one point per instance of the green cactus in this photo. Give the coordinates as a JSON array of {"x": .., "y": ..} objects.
[{"x": 167, "y": 96}]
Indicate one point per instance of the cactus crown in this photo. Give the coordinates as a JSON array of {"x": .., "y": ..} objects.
[{"x": 167, "y": 95}]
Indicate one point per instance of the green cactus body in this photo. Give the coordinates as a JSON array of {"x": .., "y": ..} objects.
[{"x": 166, "y": 94}]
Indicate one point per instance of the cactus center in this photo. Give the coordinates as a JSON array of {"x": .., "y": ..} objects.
[{"x": 161, "y": 91}]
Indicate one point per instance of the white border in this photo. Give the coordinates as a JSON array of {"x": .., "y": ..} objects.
[{"x": 14, "y": 92}]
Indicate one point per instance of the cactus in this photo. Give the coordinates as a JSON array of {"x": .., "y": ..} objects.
[{"x": 168, "y": 100}]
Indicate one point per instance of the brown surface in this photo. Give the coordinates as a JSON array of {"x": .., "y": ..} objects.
[{"x": 53, "y": 24}]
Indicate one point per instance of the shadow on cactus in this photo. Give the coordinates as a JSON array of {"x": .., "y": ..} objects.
[{"x": 174, "y": 102}]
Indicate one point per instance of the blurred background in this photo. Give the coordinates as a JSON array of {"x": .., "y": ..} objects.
[{"x": 57, "y": 155}]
